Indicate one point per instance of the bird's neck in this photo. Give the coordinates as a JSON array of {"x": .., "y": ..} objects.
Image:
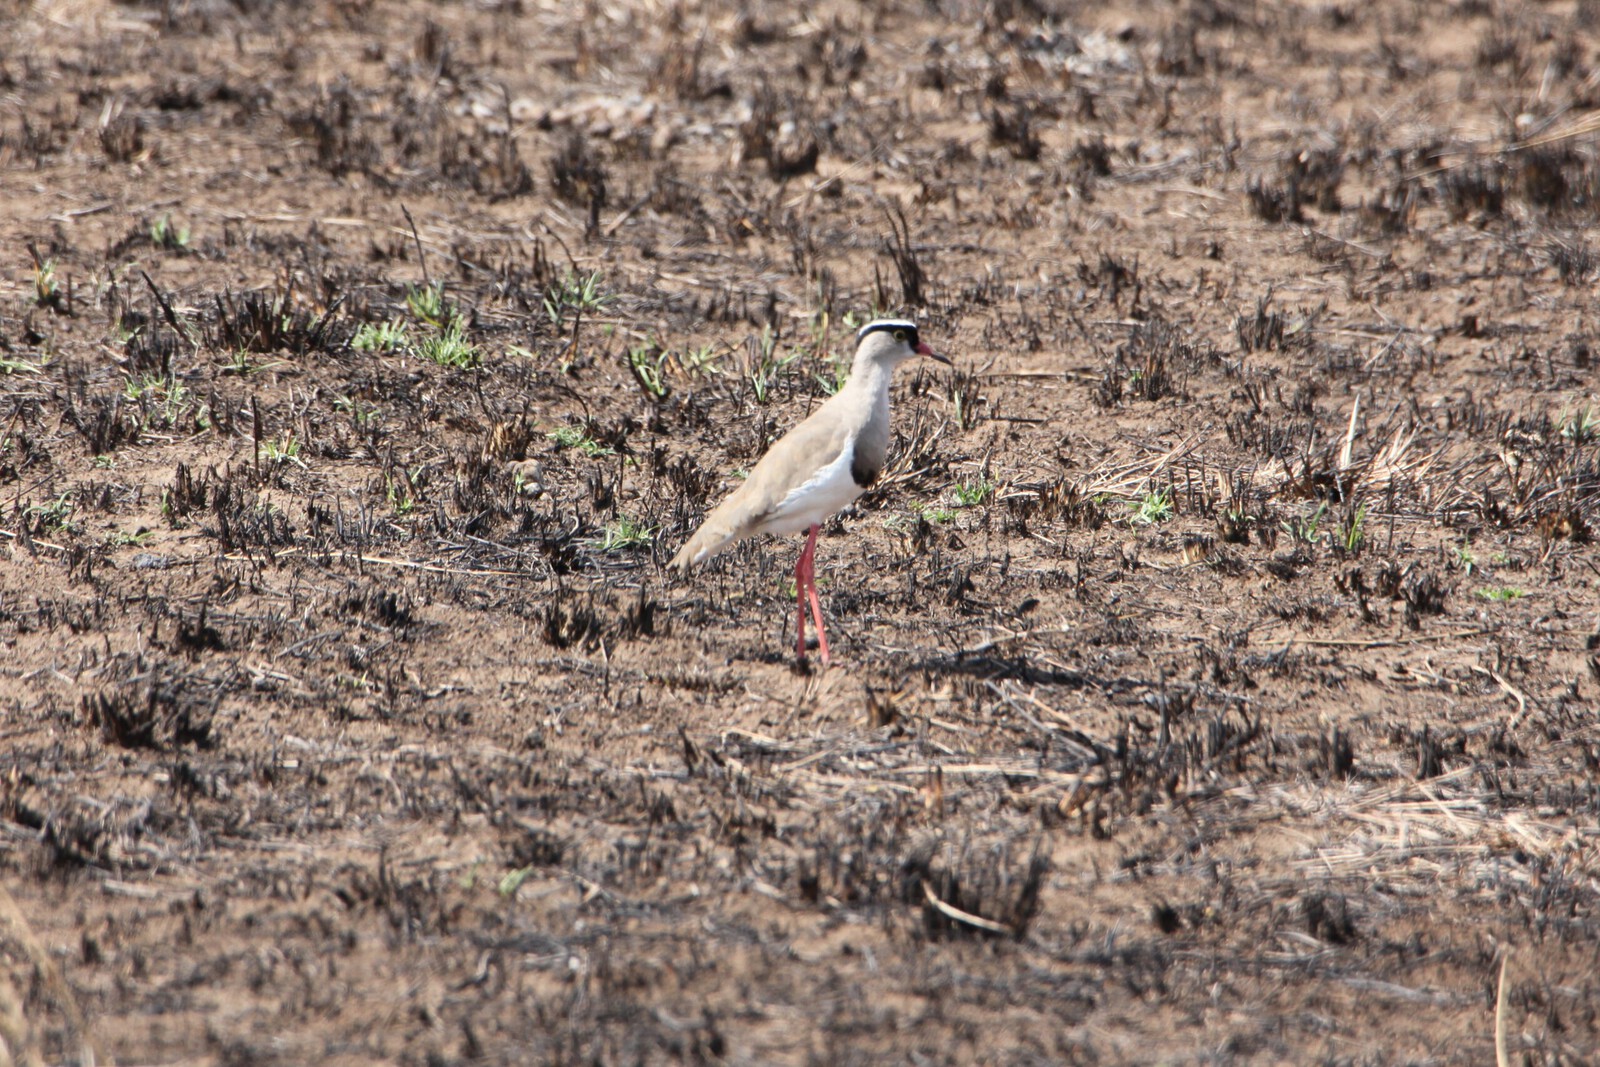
[{"x": 869, "y": 381}]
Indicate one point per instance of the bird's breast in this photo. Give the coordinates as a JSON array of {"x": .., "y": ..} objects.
[{"x": 868, "y": 453}]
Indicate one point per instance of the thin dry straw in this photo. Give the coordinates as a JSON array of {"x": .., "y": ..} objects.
[{"x": 1502, "y": 1057}]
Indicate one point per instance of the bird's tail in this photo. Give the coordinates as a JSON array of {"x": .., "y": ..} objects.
[{"x": 707, "y": 541}]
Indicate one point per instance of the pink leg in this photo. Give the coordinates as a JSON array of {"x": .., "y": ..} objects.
[
  {"x": 806, "y": 592},
  {"x": 800, "y": 605},
  {"x": 816, "y": 613}
]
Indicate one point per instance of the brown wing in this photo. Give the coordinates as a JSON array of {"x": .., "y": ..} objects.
[{"x": 791, "y": 462}]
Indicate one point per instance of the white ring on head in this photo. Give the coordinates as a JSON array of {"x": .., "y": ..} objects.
[{"x": 886, "y": 325}]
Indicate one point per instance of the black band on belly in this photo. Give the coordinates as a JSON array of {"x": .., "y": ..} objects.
[{"x": 862, "y": 471}]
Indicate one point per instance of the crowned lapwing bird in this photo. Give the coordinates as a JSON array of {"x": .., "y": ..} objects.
[{"x": 817, "y": 468}]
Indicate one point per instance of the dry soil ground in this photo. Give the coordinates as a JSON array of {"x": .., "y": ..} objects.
[{"x": 1215, "y": 662}]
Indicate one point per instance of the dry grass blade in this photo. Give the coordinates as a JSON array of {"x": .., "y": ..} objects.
[
  {"x": 1130, "y": 479},
  {"x": 955, "y": 914},
  {"x": 1393, "y": 463},
  {"x": 1390, "y": 467},
  {"x": 1350, "y": 434},
  {"x": 1502, "y": 1053},
  {"x": 1387, "y": 642}
]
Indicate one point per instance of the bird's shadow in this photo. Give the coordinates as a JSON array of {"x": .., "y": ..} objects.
[
  {"x": 991, "y": 667},
  {"x": 994, "y": 667}
]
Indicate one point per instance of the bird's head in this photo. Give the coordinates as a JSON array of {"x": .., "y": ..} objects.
[{"x": 892, "y": 341}]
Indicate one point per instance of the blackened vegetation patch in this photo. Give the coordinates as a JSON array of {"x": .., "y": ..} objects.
[
  {"x": 1313, "y": 176},
  {"x": 1061, "y": 500},
  {"x": 1573, "y": 259},
  {"x": 391, "y": 608},
  {"x": 973, "y": 890},
  {"x": 270, "y": 322},
  {"x": 245, "y": 520},
  {"x": 1112, "y": 276},
  {"x": 1424, "y": 594},
  {"x": 104, "y": 422},
  {"x": 579, "y": 177},
  {"x": 970, "y": 886},
  {"x": 332, "y": 124},
  {"x": 157, "y": 708},
  {"x": 1153, "y": 363},
  {"x": 1308, "y": 177},
  {"x": 1272, "y": 202},
  {"x": 1421, "y": 591},
  {"x": 1181, "y": 744},
  {"x": 691, "y": 483},
  {"x": 583, "y": 622},
  {"x": 785, "y": 157},
  {"x": 187, "y": 493},
  {"x": 489, "y": 164},
  {"x": 908, "y": 263},
  {"x": 1267, "y": 330},
  {"x": 1335, "y": 755},
  {"x": 1012, "y": 126},
  {"x": 1475, "y": 190},
  {"x": 1090, "y": 159},
  {"x": 1328, "y": 918},
  {"x": 1559, "y": 180},
  {"x": 195, "y": 634},
  {"x": 122, "y": 138},
  {"x": 79, "y": 834},
  {"x": 1545, "y": 179}
]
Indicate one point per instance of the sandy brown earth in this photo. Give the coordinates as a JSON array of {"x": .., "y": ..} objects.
[{"x": 1214, "y": 665}]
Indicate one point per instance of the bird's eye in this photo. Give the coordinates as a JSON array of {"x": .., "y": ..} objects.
[{"x": 899, "y": 335}]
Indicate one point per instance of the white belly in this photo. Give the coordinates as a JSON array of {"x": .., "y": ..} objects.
[{"x": 830, "y": 490}]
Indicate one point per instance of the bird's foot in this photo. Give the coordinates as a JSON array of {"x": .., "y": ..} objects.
[{"x": 804, "y": 662}]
